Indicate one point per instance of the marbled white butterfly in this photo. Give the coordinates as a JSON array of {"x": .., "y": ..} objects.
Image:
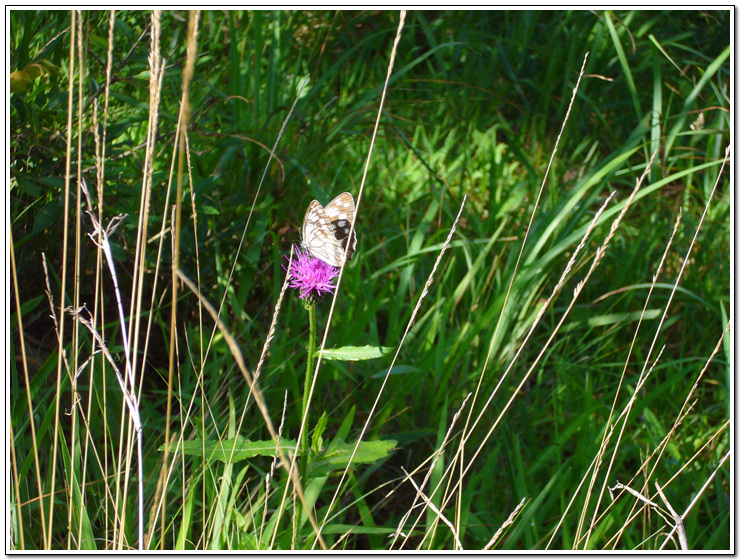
[{"x": 325, "y": 231}]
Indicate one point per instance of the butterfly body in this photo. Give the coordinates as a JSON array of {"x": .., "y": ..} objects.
[{"x": 326, "y": 230}]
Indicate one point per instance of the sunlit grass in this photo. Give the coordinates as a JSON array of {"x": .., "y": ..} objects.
[{"x": 529, "y": 372}]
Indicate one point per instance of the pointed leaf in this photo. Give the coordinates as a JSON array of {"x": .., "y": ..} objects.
[
  {"x": 355, "y": 353},
  {"x": 232, "y": 449}
]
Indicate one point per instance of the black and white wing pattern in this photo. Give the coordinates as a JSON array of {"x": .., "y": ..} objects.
[{"x": 325, "y": 231}]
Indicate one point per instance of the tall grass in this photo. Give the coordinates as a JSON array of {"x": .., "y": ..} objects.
[{"x": 537, "y": 313}]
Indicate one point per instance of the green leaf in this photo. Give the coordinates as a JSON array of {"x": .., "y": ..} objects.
[
  {"x": 344, "y": 428},
  {"x": 355, "y": 353},
  {"x": 49, "y": 214},
  {"x": 230, "y": 450},
  {"x": 183, "y": 535},
  {"x": 30, "y": 188},
  {"x": 27, "y": 308},
  {"x": 396, "y": 370},
  {"x": 80, "y": 521},
  {"x": 336, "y": 456},
  {"x": 339, "y": 529},
  {"x": 339, "y": 453},
  {"x": 317, "y": 440}
]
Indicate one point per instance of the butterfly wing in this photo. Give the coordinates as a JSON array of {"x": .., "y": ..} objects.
[
  {"x": 318, "y": 236},
  {"x": 341, "y": 215}
]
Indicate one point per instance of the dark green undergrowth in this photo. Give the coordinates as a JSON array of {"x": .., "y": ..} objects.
[{"x": 474, "y": 108}]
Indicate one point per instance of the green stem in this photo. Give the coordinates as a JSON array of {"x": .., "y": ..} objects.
[{"x": 307, "y": 387}]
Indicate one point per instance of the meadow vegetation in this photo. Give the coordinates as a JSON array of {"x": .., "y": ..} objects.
[{"x": 555, "y": 372}]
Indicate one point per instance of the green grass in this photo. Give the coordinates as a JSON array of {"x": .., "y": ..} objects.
[{"x": 519, "y": 370}]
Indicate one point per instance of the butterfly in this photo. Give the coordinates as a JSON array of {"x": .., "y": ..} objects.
[{"x": 325, "y": 231}]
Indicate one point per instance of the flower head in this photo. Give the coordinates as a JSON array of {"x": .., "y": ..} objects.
[{"x": 313, "y": 277}]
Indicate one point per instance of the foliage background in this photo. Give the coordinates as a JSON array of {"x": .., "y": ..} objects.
[{"x": 474, "y": 107}]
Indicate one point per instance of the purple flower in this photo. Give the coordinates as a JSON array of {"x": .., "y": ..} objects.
[{"x": 313, "y": 277}]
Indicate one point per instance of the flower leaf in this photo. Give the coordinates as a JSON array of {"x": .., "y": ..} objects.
[
  {"x": 337, "y": 455},
  {"x": 355, "y": 353},
  {"x": 230, "y": 450}
]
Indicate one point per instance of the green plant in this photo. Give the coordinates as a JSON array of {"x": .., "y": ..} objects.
[{"x": 518, "y": 390}]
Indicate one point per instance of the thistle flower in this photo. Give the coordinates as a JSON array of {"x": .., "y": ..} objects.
[{"x": 313, "y": 277}]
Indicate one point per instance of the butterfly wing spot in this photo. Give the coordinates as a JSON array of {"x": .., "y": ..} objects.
[
  {"x": 341, "y": 232},
  {"x": 341, "y": 228}
]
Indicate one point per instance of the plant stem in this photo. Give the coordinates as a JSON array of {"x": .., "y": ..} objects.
[{"x": 307, "y": 388}]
